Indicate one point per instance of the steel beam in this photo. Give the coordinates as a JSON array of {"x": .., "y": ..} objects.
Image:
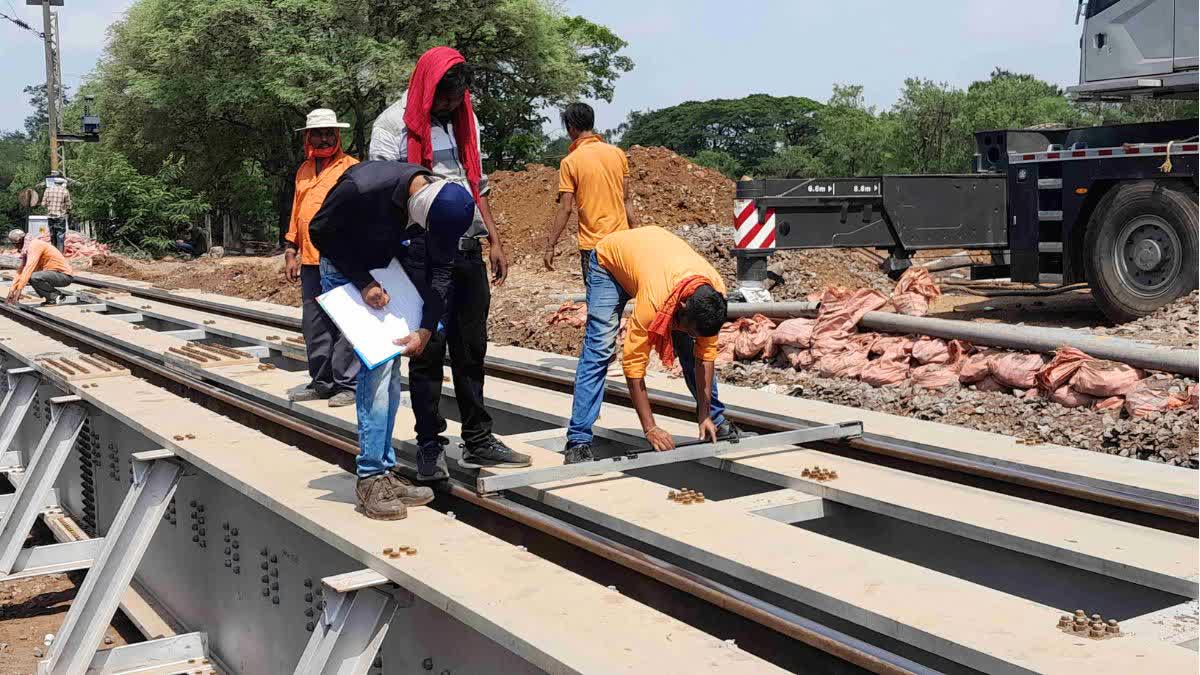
[
  {"x": 66, "y": 418},
  {"x": 782, "y": 441},
  {"x": 155, "y": 476},
  {"x": 54, "y": 559},
  {"x": 22, "y": 386},
  {"x": 176, "y": 654},
  {"x": 7, "y": 500},
  {"x": 10, "y": 461},
  {"x": 131, "y": 317},
  {"x": 352, "y": 626}
]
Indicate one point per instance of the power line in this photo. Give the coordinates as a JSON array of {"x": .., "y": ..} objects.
[{"x": 21, "y": 24}]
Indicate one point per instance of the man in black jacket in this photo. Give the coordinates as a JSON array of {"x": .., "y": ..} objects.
[{"x": 364, "y": 222}]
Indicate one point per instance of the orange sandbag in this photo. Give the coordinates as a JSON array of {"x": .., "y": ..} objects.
[
  {"x": 1150, "y": 395},
  {"x": 850, "y": 361},
  {"x": 725, "y": 341},
  {"x": 846, "y": 363},
  {"x": 792, "y": 333},
  {"x": 839, "y": 314},
  {"x": 914, "y": 291},
  {"x": 989, "y": 383},
  {"x": 797, "y": 357},
  {"x": 889, "y": 342},
  {"x": 1069, "y": 398},
  {"x": 753, "y": 340},
  {"x": 1110, "y": 403},
  {"x": 570, "y": 313},
  {"x": 1061, "y": 368},
  {"x": 976, "y": 367},
  {"x": 928, "y": 350},
  {"x": 890, "y": 369},
  {"x": 934, "y": 376},
  {"x": 1016, "y": 370},
  {"x": 1104, "y": 378}
]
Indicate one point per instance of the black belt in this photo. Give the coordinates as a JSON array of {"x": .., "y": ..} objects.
[{"x": 469, "y": 245}]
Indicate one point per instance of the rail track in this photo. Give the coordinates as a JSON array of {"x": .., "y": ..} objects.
[{"x": 758, "y": 615}]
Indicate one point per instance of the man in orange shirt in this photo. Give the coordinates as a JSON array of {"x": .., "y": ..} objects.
[
  {"x": 680, "y": 307},
  {"x": 43, "y": 267},
  {"x": 595, "y": 176},
  {"x": 332, "y": 363}
]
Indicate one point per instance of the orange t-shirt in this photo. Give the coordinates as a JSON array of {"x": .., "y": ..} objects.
[
  {"x": 41, "y": 257},
  {"x": 648, "y": 262},
  {"x": 595, "y": 172},
  {"x": 310, "y": 192}
]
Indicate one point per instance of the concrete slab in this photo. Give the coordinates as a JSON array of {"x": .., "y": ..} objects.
[{"x": 785, "y": 506}]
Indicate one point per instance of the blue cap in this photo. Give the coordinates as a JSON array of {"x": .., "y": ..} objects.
[{"x": 450, "y": 216}]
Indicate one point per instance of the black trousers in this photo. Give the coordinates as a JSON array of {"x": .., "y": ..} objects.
[
  {"x": 58, "y": 232},
  {"x": 465, "y": 336},
  {"x": 332, "y": 363}
]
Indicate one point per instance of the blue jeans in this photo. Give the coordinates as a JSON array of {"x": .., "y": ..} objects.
[
  {"x": 376, "y": 399},
  {"x": 606, "y": 302}
]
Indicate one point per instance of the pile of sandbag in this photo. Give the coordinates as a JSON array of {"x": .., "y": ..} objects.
[
  {"x": 75, "y": 245},
  {"x": 744, "y": 339},
  {"x": 914, "y": 291}
]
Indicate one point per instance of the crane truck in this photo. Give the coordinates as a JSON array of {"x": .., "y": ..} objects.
[{"x": 1112, "y": 206}]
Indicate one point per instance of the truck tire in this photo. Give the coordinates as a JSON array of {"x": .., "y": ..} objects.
[{"x": 1141, "y": 248}]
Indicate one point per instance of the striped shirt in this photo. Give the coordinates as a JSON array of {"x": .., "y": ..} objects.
[
  {"x": 389, "y": 141},
  {"x": 57, "y": 201}
]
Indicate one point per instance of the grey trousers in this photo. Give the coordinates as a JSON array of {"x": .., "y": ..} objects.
[
  {"x": 46, "y": 284},
  {"x": 332, "y": 363}
]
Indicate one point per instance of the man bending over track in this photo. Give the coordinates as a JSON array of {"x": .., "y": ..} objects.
[{"x": 680, "y": 309}]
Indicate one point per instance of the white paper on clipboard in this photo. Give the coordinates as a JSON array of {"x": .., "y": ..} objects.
[{"x": 371, "y": 331}]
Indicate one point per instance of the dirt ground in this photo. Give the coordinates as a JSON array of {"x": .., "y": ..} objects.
[{"x": 32, "y": 608}]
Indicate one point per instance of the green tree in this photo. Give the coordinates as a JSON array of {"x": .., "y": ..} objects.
[
  {"x": 223, "y": 84},
  {"x": 747, "y": 129},
  {"x": 720, "y": 161},
  {"x": 924, "y": 137},
  {"x": 793, "y": 161},
  {"x": 146, "y": 212}
]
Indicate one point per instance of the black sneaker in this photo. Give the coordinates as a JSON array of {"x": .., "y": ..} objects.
[
  {"x": 578, "y": 453},
  {"x": 728, "y": 431},
  {"x": 491, "y": 454},
  {"x": 431, "y": 462}
]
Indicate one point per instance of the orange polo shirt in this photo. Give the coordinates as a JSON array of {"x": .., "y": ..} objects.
[
  {"x": 41, "y": 257},
  {"x": 596, "y": 172},
  {"x": 311, "y": 189},
  {"x": 649, "y": 262}
]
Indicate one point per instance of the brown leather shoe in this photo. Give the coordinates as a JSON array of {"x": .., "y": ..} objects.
[
  {"x": 411, "y": 495},
  {"x": 379, "y": 499}
]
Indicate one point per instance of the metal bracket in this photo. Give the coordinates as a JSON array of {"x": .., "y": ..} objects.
[
  {"x": 156, "y": 476},
  {"x": 6, "y": 501},
  {"x": 66, "y": 419},
  {"x": 684, "y": 452},
  {"x": 357, "y": 614},
  {"x": 22, "y": 386},
  {"x": 186, "y": 653}
]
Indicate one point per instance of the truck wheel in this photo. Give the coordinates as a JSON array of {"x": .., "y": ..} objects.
[{"x": 1141, "y": 248}]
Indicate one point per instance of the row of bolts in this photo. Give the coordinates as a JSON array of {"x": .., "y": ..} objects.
[{"x": 1095, "y": 627}]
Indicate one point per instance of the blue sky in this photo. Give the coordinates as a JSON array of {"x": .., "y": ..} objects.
[{"x": 699, "y": 49}]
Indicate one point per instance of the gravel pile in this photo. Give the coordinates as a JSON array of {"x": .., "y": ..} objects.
[
  {"x": 1169, "y": 437},
  {"x": 1175, "y": 325}
]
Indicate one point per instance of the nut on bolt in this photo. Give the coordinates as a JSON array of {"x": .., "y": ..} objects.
[{"x": 1065, "y": 621}]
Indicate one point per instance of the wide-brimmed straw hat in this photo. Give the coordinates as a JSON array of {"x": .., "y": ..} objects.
[{"x": 323, "y": 118}]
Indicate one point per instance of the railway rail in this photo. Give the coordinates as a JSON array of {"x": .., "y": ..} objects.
[
  {"x": 1113, "y": 495},
  {"x": 654, "y": 560}
]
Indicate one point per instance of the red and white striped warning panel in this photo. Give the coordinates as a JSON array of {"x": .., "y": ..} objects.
[
  {"x": 1130, "y": 150},
  {"x": 752, "y": 233}
]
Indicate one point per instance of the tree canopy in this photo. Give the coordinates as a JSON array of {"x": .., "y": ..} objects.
[
  {"x": 221, "y": 85},
  {"x": 748, "y": 129}
]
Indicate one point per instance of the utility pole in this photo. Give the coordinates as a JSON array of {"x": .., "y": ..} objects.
[{"x": 49, "y": 37}]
